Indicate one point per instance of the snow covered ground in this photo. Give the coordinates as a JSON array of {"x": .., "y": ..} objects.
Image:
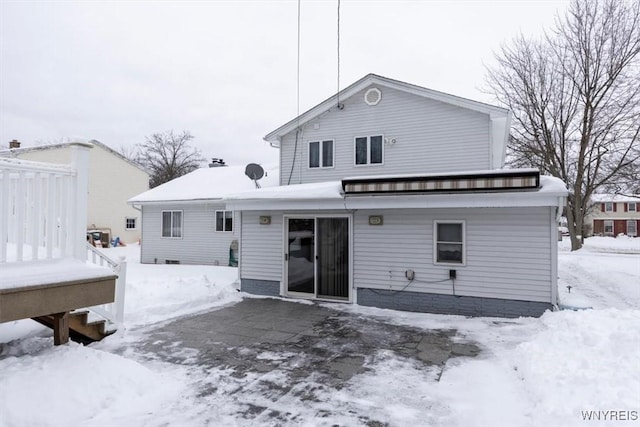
[{"x": 547, "y": 371}]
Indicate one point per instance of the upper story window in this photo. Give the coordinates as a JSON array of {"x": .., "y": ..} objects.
[
  {"x": 130, "y": 223},
  {"x": 608, "y": 207},
  {"x": 449, "y": 242},
  {"x": 171, "y": 223},
  {"x": 321, "y": 154},
  {"x": 369, "y": 150},
  {"x": 632, "y": 207},
  {"x": 224, "y": 221}
]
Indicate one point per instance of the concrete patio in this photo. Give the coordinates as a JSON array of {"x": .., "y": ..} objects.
[{"x": 301, "y": 343}]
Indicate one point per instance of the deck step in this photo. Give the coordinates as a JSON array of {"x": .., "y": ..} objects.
[{"x": 80, "y": 329}]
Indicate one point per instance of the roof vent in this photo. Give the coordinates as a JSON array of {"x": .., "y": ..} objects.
[
  {"x": 372, "y": 96},
  {"x": 215, "y": 162}
]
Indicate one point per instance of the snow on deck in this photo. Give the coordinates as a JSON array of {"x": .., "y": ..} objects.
[{"x": 35, "y": 273}]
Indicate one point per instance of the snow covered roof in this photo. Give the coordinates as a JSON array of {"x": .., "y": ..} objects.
[
  {"x": 315, "y": 191},
  {"x": 207, "y": 184},
  {"x": 599, "y": 198}
]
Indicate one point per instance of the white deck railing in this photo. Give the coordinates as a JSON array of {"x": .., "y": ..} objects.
[
  {"x": 43, "y": 216},
  {"x": 114, "y": 312},
  {"x": 35, "y": 217}
]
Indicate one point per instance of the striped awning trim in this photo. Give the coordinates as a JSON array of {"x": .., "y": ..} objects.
[{"x": 476, "y": 183}]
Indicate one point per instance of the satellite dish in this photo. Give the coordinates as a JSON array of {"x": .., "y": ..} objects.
[{"x": 254, "y": 172}]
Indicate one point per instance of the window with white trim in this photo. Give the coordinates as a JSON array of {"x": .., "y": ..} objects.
[
  {"x": 608, "y": 207},
  {"x": 608, "y": 227},
  {"x": 449, "y": 242},
  {"x": 321, "y": 154},
  {"x": 224, "y": 220},
  {"x": 632, "y": 229},
  {"x": 130, "y": 223},
  {"x": 369, "y": 150},
  {"x": 632, "y": 207},
  {"x": 172, "y": 224}
]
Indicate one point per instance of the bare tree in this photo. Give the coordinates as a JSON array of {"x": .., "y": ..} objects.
[
  {"x": 167, "y": 156},
  {"x": 130, "y": 152},
  {"x": 575, "y": 98}
]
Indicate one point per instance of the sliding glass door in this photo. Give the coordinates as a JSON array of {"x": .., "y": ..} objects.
[
  {"x": 301, "y": 255},
  {"x": 317, "y": 257},
  {"x": 333, "y": 257}
]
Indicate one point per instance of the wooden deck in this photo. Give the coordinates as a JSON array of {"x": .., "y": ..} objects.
[
  {"x": 85, "y": 286},
  {"x": 44, "y": 274}
]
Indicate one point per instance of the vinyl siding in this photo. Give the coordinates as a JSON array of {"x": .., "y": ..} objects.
[
  {"x": 200, "y": 243},
  {"x": 431, "y": 136},
  {"x": 508, "y": 252},
  {"x": 261, "y": 253}
]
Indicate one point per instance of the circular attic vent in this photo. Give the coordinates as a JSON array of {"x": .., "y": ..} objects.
[{"x": 372, "y": 96}]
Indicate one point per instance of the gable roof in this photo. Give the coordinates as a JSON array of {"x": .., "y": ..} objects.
[
  {"x": 206, "y": 184},
  {"x": 500, "y": 117},
  {"x": 12, "y": 152}
]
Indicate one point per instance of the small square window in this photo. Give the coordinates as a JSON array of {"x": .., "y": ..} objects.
[
  {"x": 224, "y": 221},
  {"x": 608, "y": 207},
  {"x": 632, "y": 207},
  {"x": 449, "y": 242},
  {"x": 130, "y": 223}
]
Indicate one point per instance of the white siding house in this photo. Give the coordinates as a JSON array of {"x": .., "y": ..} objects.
[
  {"x": 113, "y": 179},
  {"x": 185, "y": 221},
  {"x": 395, "y": 197}
]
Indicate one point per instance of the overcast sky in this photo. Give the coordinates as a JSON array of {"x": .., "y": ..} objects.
[{"x": 117, "y": 71}]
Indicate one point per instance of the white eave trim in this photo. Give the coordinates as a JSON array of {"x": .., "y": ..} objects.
[{"x": 406, "y": 201}]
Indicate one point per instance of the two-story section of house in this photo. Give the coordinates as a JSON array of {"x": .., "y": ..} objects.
[
  {"x": 613, "y": 215},
  {"x": 392, "y": 195}
]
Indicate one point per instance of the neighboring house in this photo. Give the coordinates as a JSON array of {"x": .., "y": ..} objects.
[
  {"x": 613, "y": 214},
  {"x": 399, "y": 202},
  {"x": 184, "y": 221},
  {"x": 113, "y": 179}
]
